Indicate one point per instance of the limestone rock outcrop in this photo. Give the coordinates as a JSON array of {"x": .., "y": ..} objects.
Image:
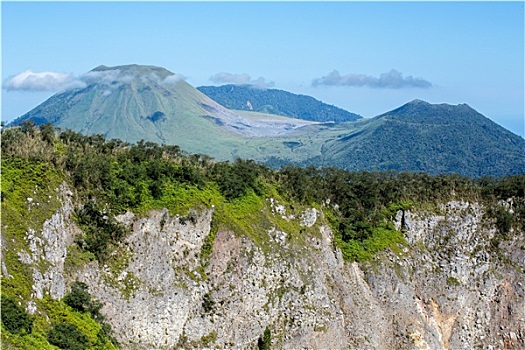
[{"x": 447, "y": 288}]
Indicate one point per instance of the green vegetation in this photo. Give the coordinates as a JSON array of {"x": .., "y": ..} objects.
[
  {"x": 114, "y": 176},
  {"x": 207, "y": 303},
  {"x": 67, "y": 336},
  {"x": 418, "y": 136},
  {"x": 80, "y": 300},
  {"x": 14, "y": 317},
  {"x": 265, "y": 341},
  {"x": 453, "y": 281},
  {"x": 208, "y": 339},
  {"x": 101, "y": 230},
  {"x": 33, "y": 160},
  {"x": 110, "y": 177},
  {"x": 277, "y": 102}
]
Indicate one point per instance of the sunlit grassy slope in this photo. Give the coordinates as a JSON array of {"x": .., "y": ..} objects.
[{"x": 151, "y": 103}]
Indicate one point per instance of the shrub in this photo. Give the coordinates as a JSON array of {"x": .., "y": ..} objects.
[
  {"x": 207, "y": 303},
  {"x": 67, "y": 336},
  {"x": 236, "y": 179},
  {"x": 265, "y": 341},
  {"x": 14, "y": 317},
  {"x": 80, "y": 300},
  {"x": 101, "y": 229}
]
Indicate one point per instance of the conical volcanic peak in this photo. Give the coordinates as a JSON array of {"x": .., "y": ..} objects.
[
  {"x": 135, "y": 102},
  {"x": 419, "y": 111},
  {"x": 132, "y": 102},
  {"x": 132, "y": 74}
]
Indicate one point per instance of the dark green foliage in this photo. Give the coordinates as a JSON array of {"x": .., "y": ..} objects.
[
  {"x": 504, "y": 219},
  {"x": 236, "y": 179},
  {"x": 47, "y": 132},
  {"x": 113, "y": 176},
  {"x": 422, "y": 137},
  {"x": 67, "y": 336},
  {"x": 15, "y": 317},
  {"x": 278, "y": 102},
  {"x": 208, "y": 304},
  {"x": 207, "y": 245},
  {"x": 265, "y": 341},
  {"x": 28, "y": 127},
  {"x": 100, "y": 228},
  {"x": 80, "y": 300},
  {"x": 367, "y": 202}
]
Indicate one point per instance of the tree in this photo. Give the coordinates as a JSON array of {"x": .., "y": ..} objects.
[
  {"x": 14, "y": 317},
  {"x": 80, "y": 300},
  {"x": 67, "y": 336},
  {"x": 47, "y": 133}
]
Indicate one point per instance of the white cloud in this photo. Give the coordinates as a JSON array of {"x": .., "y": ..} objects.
[
  {"x": 57, "y": 81},
  {"x": 173, "y": 79},
  {"x": 111, "y": 78},
  {"x": 42, "y": 81},
  {"x": 391, "y": 80},
  {"x": 240, "y": 79}
]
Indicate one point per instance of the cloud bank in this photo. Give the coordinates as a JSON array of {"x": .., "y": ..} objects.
[
  {"x": 174, "y": 79},
  {"x": 42, "y": 81},
  {"x": 240, "y": 79},
  {"x": 58, "y": 82},
  {"x": 113, "y": 77},
  {"x": 391, "y": 80}
]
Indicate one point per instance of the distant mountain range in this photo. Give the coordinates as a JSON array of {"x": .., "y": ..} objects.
[
  {"x": 144, "y": 102},
  {"x": 279, "y": 102}
]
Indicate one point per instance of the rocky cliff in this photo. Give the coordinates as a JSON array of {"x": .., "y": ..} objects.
[{"x": 179, "y": 282}]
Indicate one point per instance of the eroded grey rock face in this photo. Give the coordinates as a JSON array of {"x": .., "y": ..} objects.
[
  {"x": 48, "y": 249},
  {"x": 454, "y": 281},
  {"x": 447, "y": 289}
]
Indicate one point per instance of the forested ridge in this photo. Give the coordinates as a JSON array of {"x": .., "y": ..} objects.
[
  {"x": 279, "y": 102},
  {"x": 140, "y": 176},
  {"x": 110, "y": 177}
]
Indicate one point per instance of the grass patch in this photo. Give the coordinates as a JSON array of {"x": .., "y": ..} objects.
[
  {"x": 28, "y": 200},
  {"x": 453, "y": 281},
  {"x": 382, "y": 238}
]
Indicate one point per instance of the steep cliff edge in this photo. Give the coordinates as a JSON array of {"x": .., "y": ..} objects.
[
  {"x": 163, "y": 250},
  {"x": 179, "y": 282}
]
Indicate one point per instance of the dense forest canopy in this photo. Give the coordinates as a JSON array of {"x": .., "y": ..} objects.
[{"x": 123, "y": 176}]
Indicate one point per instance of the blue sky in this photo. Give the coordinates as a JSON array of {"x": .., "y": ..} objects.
[{"x": 366, "y": 57}]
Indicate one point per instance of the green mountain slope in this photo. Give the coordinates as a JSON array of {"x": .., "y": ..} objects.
[
  {"x": 143, "y": 102},
  {"x": 273, "y": 101},
  {"x": 418, "y": 136},
  {"x": 151, "y": 103}
]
